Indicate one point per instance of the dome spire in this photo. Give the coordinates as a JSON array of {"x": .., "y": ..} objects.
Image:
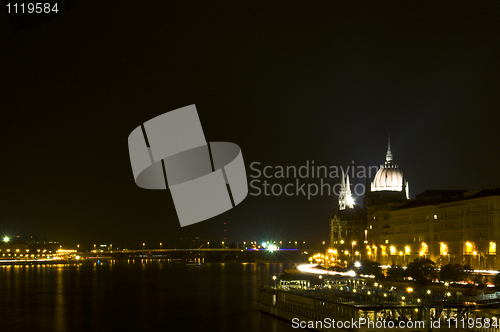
[{"x": 388, "y": 156}]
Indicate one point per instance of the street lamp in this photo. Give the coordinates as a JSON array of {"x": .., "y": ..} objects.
[
  {"x": 352, "y": 246},
  {"x": 478, "y": 256},
  {"x": 375, "y": 256},
  {"x": 161, "y": 245},
  {"x": 336, "y": 256},
  {"x": 424, "y": 250},
  {"x": 274, "y": 278},
  {"x": 143, "y": 246},
  {"x": 6, "y": 239}
]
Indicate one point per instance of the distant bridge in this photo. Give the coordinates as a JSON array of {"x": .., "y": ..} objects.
[
  {"x": 206, "y": 254},
  {"x": 173, "y": 250}
]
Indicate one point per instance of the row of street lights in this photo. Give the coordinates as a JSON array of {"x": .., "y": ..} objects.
[{"x": 423, "y": 252}]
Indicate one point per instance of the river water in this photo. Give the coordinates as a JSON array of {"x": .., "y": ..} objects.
[{"x": 136, "y": 296}]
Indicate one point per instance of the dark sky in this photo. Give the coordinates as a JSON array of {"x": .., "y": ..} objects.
[{"x": 288, "y": 82}]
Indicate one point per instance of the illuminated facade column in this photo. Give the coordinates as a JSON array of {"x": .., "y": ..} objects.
[{"x": 332, "y": 225}]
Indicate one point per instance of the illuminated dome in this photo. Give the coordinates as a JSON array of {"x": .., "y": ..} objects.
[{"x": 389, "y": 177}]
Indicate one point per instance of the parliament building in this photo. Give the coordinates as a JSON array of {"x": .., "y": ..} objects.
[{"x": 447, "y": 226}]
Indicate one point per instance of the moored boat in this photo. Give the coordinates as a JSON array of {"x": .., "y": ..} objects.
[{"x": 347, "y": 303}]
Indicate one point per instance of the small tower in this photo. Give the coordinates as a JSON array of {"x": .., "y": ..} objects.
[{"x": 345, "y": 196}]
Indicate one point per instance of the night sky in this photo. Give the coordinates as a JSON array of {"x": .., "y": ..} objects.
[{"x": 288, "y": 82}]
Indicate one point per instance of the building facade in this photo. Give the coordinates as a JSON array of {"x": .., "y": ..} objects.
[{"x": 446, "y": 226}]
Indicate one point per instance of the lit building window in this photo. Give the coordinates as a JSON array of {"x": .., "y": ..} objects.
[
  {"x": 493, "y": 248},
  {"x": 443, "y": 248},
  {"x": 424, "y": 249}
]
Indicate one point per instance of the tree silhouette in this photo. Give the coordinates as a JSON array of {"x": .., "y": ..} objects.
[
  {"x": 422, "y": 270},
  {"x": 497, "y": 280},
  {"x": 451, "y": 272},
  {"x": 372, "y": 268},
  {"x": 395, "y": 273}
]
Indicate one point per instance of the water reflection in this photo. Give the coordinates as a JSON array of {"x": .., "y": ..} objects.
[{"x": 136, "y": 296}]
